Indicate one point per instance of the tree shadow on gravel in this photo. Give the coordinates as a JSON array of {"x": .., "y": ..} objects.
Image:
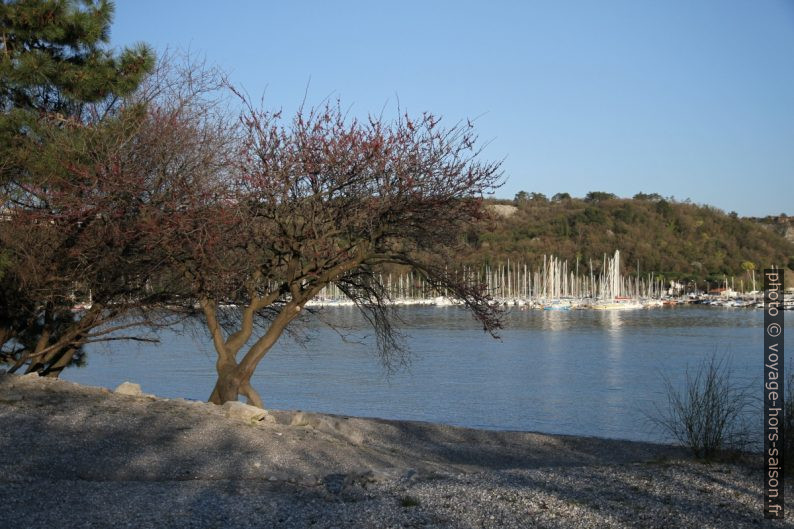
[
  {"x": 494, "y": 450},
  {"x": 76, "y": 456},
  {"x": 677, "y": 494}
]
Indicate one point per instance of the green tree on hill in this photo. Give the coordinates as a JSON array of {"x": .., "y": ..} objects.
[
  {"x": 599, "y": 196},
  {"x": 653, "y": 197}
]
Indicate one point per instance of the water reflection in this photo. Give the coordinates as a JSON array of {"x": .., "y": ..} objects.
[
  {"x": 611, "y": 320},
  {"x": 554, "y": 320}
]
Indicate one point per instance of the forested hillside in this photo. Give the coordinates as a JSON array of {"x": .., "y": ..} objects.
[{"x": 678, "y": 240}]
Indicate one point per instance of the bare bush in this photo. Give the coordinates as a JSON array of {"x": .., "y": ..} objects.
[{"x": 708, "y": 414}]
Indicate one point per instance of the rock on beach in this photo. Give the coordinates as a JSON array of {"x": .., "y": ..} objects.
[{"x": 129, "y": 388}]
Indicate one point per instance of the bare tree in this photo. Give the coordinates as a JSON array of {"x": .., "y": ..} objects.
[
  {"x": 322, "y": 199},
  {"x": 81, "y": 227}
]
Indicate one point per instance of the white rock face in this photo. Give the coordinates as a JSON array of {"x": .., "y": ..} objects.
[
  {"x": 502, "y": 210},
  {"x": 239, "y": 410},
  {"x": 129, "y": 388}
]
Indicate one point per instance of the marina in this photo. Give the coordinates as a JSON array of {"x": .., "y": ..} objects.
[{"x": 554, "y": 286}]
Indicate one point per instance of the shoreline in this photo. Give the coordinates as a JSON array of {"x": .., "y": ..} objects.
[{"x": 108, "y": 457}]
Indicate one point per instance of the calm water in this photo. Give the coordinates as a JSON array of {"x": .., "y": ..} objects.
[{"x": 578, "y": 372}]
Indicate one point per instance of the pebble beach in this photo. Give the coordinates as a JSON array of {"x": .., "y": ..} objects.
[{"x": 80, "y": 456}]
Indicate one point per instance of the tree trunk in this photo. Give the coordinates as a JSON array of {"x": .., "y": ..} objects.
[
  {"x": 232, "y": 383},
  {"x": 227, "y": 386},
  {"x": 234, "y": 379},
  {"x": 251, "y": 395},
  {"x": 36, "y": 364},
  {"x": 55, "y": 368}
]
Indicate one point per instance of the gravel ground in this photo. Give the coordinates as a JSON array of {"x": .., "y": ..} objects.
[{"x": 77, "y": 456}]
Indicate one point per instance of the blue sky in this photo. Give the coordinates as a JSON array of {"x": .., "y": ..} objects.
[{"x": 692, "y": 99}]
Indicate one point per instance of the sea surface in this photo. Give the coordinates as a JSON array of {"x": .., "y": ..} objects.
[{"x": 599, "y": 373}]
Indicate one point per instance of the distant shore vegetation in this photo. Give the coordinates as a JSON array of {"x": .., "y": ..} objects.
[{"x": 678, "y": 240}]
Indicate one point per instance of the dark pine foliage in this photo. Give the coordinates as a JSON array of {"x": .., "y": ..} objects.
[{"x": 61, "y": 88}]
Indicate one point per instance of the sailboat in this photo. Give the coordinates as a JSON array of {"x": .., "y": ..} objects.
[
  {"x": 613, "y": 298},
  {"x": 619, "y": 303},
  {"x": 557, "y": 304}
]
